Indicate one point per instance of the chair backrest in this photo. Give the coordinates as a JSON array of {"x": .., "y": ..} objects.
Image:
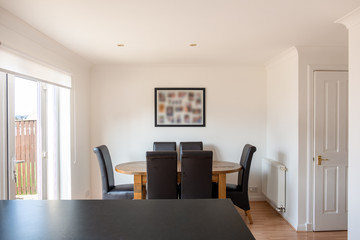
[
  {"x": 245, "y": 162},
  {"x": 164, "y": 146},
  {"x": 161, "y": 174},
  {"x": 196, "y": 173},
  {"x": 106, "y": 168},
  {"x": 190, "y": 146}
]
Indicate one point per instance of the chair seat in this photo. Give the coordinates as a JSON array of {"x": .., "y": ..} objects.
[
  {"x": 123, "y": 191},
  {"x": 229, "y": 188},
  {"x": 233, "y": 187},
  {"x": 238, "y": 197},
  {"x": 123, "y": 187}
]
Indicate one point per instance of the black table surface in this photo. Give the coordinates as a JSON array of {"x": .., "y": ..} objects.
[{"x": 121, "y": 219}]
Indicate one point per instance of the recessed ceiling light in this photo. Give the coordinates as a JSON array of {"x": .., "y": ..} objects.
[
  {"x": 193, "y": 45},
  {"x": 121, "y": 45}
]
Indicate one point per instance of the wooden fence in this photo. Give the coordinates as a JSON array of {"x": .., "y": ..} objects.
[{"x": 26, "y": 157}]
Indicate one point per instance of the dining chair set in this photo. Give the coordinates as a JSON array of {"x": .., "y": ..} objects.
[
  {"x": 195, "y": 179},
  {"x": 162, "y": 172}
]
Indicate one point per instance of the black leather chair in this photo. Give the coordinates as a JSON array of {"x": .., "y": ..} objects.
[
  {"x": 164, "y": 146},
  {"x": 190, "y": 146},
  {"x": 239, "y": 192},
  {"x": 109, "y": 189},
  {"x": 162, "y": 175},
  {"x": 196, "y": 174}
]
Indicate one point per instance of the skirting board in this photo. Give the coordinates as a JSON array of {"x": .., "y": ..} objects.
[
  {"x": 257, "y": 197},
  {"x": 299, "y": 228},
  {"x": 305, "y": 227}
]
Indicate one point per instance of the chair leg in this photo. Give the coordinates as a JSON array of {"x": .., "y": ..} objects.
[{"x": 248, "y": 214}]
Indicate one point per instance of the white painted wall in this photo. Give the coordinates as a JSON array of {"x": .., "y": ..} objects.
[
  {"x": 122, "y": 113},
  {"x": 321, "y": 58},
  {"x": 352, "y": 22},
  {"x": 289, "y": 122},
  {"x": 24, "y": 39},
  {"x": 354, "y": 132},
  {"x": 282, "y": 123}
]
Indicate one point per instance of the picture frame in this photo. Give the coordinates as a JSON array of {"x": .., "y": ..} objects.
[{"x": 179, "y": 107}]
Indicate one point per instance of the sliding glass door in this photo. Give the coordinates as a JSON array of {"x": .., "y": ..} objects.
[{"x": 35, "y": 137}]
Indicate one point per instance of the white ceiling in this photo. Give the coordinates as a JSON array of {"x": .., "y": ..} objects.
[{"x": 160, "y": 31}]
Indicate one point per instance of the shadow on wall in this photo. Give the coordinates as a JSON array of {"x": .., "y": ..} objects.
[
  {"x": 214, "y": 149},
  {"x": 282, "y": 158},
  {"x": 231, "y": 177}
]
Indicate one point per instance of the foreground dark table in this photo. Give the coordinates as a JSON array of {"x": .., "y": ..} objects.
[{"x": 122, "y": 219}]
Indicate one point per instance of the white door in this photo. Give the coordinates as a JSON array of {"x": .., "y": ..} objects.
[{"x": 330, "y": 150}]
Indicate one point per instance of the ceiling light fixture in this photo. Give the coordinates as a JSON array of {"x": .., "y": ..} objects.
[
  {"x": 193, "y": 45},
  {"x": 121, "y": 45}
]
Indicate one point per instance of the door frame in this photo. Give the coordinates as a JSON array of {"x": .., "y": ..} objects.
[
  {"x": 311, "y": 135},
  {"x": 3, "y": 141},
  {"x": 7, "y": 124},
  {"x": 11, "y": 151}
]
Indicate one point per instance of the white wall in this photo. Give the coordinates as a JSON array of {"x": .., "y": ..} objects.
[
  {"x": 122, "y": 113},
  {"x": 320, "y": 58},
  {"x": 289, "y": 122},
  {"x": 282, "y": 123},
  {"x": 352, "y": 22},
  {"x": 354, "y": 132},
  {"x": 21, "y": 37}
]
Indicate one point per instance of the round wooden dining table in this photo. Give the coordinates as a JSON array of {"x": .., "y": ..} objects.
[{"x": 138, "y": 169}]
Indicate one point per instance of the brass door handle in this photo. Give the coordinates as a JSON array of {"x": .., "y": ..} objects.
[{"x": 320, "y": 159}]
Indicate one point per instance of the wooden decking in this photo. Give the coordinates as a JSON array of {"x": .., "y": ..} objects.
[{"x": 268, "y": 224}]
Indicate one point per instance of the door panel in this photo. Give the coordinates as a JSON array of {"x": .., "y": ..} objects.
[
  {"x": 331, "y": 124},
  {"x": 330, "y": 189}
]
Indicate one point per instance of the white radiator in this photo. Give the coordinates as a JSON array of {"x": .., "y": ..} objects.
[{"x": 273, "y": 183}]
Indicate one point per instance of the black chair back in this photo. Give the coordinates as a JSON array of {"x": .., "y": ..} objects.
[
  {"x": 164, "y": 146},
  {"x": 161, "y": 174},
  {"x": 245, "y": 162},
  {"x": 196, "y": 174},
  {"x": 106, "y": 168},
  {"x": 190, "y": 146}
]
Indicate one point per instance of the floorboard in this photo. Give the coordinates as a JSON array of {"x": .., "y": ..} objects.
[{"x": 268, "y": 224}]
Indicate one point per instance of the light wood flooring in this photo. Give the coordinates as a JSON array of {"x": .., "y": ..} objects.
[{"x": 268, "y": 224}]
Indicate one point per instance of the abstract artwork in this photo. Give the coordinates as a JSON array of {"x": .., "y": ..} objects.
[{"x": 179, "y": 107}]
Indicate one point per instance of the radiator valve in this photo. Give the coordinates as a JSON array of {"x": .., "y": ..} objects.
[{"x": 280, "y": 209}]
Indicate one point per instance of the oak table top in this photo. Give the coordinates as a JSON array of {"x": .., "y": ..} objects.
[{"x": 139, "y": 167}]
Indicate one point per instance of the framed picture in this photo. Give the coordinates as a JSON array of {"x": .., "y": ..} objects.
[{"x": 179, "y": 107}]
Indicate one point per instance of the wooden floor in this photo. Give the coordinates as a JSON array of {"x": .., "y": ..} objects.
[{"x": 268, "y": 224}]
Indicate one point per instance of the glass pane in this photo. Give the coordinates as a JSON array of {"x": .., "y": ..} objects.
[{"x": 26, "y": 111}]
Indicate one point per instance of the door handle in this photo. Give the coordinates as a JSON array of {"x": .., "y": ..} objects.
[
  {"x": 320, "y": 159},
  {"x": 14, "y": 170}
]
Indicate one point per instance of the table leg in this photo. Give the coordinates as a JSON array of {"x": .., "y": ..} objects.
[
  {"x": 222, "y": 186},
  {"x": 138, "y": 187}
]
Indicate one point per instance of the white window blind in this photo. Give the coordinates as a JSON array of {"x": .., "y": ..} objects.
[{"x": 14, "y": 63}]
